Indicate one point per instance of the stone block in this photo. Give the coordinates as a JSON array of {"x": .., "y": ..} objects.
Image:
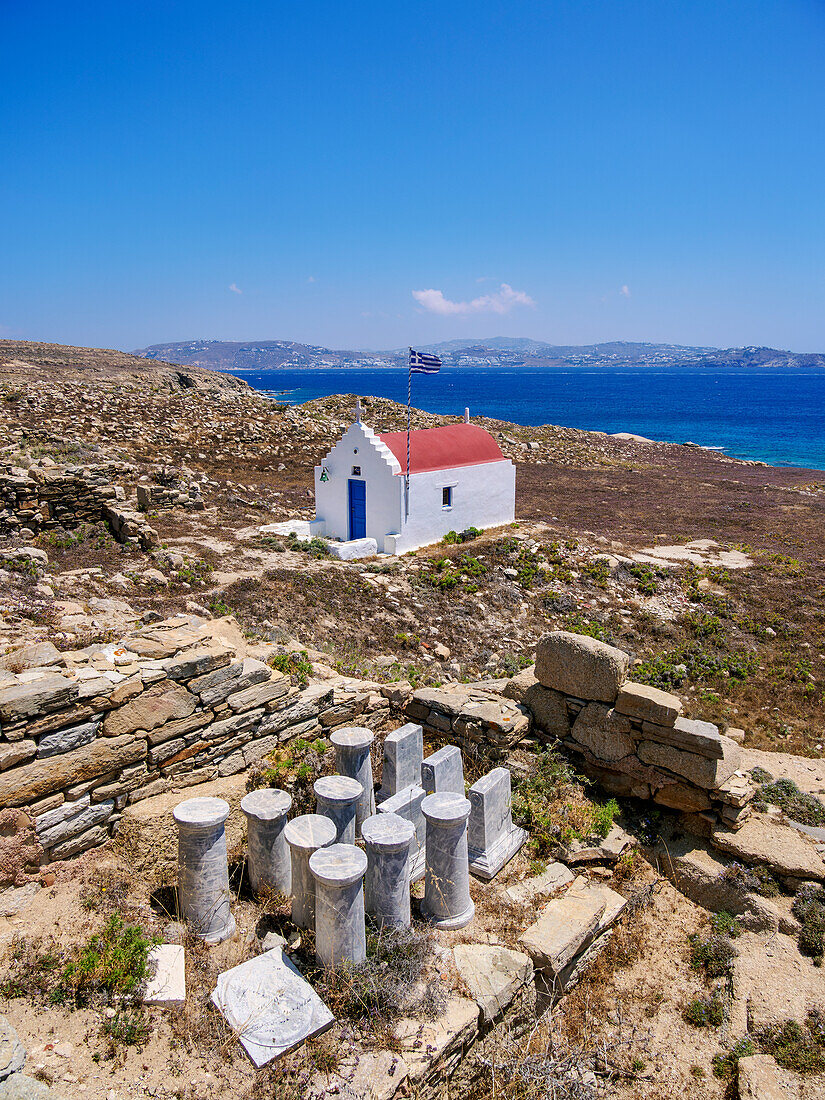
[
  {"x": 702, "y": 770},
  {"x": 443, "y": 772},
  {"x": 403, "y": 755},
  {"x": 353, "y": 549},
  {"x": 493, "y": 975},
  {"x": 259, "y": 695},
  {"x": 518, "y": 686},
  {"x": 492, "y": 838},
  {"x": 21, "y": 701},
  {"x": 648, "y": 703},
  {"x": 407, "y": 804},
  {"x": 67, "y": 739},
  {"x": 73, "y": 824},
  {"x": 565, "y": 928},
  {"x": 554, "y": 878},
  {"x": 29, "y": 782},
  {"x": 549, "y": 711},
  {"x": 270, "y": 1006},
  {"x": 575, "y": 664},
  {"x": 161, "y": 703},
  {"x": 92, "y": 838},
  {"x": 197, "y": 662},
  {"x": 167, "y": 985},
  {"x": 702, "y": 738},
  {"x": 604, "y": 732},
  {"x": 15, "y": 752},
  {"x": 679, "y": 796}
]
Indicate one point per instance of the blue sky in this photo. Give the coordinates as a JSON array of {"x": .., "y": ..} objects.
[{"x": 374, "y": 174}]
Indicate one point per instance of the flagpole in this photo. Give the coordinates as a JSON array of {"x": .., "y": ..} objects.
[{"x": 409, "y": 415}]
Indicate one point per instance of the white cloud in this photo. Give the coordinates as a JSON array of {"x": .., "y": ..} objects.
[
  {"x": 235, "y": 288},
  {"x": 500, "y": 301},
  {"x": 625, "y": 291}
]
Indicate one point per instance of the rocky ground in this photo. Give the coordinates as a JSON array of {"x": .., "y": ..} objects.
[{"x": 709, "y": 571}]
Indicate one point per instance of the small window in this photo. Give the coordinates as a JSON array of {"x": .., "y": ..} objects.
[
  {"x": 447, "y": 496},
  {"x": 356, "y": 471}
]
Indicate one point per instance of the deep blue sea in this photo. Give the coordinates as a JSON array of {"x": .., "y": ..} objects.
[{"x": 776, "y": 415}]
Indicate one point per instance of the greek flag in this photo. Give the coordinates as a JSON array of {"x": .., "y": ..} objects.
[{"x": 421, "y": 363}]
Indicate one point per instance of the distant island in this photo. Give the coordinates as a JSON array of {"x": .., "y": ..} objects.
[{"x": 263, "y": 355}]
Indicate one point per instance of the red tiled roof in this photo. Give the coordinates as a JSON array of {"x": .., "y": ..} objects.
[{"x": 443, "y": 448}]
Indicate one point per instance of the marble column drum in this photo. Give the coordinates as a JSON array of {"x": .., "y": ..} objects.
[
  {"x": 492, "y": 838},
  {"x": 352, "y": 758},
  {"x": 403, "y": 752},
  {"x": 443, "y": 772},
  {"x": 305, "y": 835},
  {"x": 340, "y": 935},
  {"x": 447, "y": 902},
  {"x": 407, "y": 804},
  {"x": 336, "y": 797},
  {"x": 387, "y": 839},
  {"x": 269, "y": 863},
  {"x": 203, "y": 872}
]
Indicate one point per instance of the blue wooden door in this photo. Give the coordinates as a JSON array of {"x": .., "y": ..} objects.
[{"x": 357, "y": 509}]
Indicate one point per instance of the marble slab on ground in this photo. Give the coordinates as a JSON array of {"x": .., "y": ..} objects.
[
  {"x": 568, "y": 924},
  {"x": 493, "y": 974},
  {"x": 270, "y": 1006},
  {"x": 550, "y": 881},
  {"x": 167, "y": 965}
]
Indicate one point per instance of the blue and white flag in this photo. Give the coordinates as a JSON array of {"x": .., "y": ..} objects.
[{"x": 421, "y": 363}]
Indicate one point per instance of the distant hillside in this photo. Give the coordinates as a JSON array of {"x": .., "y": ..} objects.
[
  {"x": 262, "y": 355},
  {"x": 27, "y": 359}
]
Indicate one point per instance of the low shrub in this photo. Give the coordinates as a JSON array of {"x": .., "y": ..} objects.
[
  {"x": 712, "y": 955},
  {"x": 705, "y": 1011},
  {"x": 296, "y": 665},
  {"x": 724, "y": 1064},
  {"x": 784, "y": 793},
  {"x": 797, "y": 1047},
  {"x": 809, "y": 909}
]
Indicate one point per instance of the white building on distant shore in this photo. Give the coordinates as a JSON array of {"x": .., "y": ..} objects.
[{"x": 458, "y": 478}]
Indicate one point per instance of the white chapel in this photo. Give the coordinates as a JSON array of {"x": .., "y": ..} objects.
[{"x": 458, "y": 478}]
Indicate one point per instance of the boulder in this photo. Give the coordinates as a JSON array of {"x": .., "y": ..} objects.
[
  {"x": 493, "y": 975},
  {"x": 757, "y": 1079},
  {"x": 604, "y": 732},
  {"x": 197, "y": 662},
  {"x": 648, "y": 703},
  {"x": 577, "y": 665},
  {"x": 517, "y": 687},
  {"x": 352, "y": 550},
  {"x": 162, "y": 702},
  {"x": 12, "y": 1051},
  {"x": 549, "y": 711}
]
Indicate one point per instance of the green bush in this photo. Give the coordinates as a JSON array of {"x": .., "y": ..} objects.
[
  {"x": 809, "y": 909},
  {"x": 796, "y": 1047},
  {"x": 713, "y": 955},
  {"x": 784, "y": 793},
  {"x": 724, "y": 1065},
  {"x": 114, "y": 960},
  {"x": 705, "y": 1011},
  {"x": 296, "y": 665}
]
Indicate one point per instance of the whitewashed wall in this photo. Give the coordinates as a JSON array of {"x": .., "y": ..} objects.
[
  {"x": 378, "y": 469},
  {"x": 483, "y": 496}
]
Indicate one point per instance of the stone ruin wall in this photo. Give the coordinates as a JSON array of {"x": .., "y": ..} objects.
[
  {"x": 86, "y": 734},
  {"x": 43, "y": 498},
  {"x": 632, "y": 738}
]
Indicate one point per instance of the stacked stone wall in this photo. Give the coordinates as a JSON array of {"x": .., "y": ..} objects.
[
  {"x": 84, "y": 734},
  {"x": 630, "y": 737},
  {"x": 43, "y": 498}
]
